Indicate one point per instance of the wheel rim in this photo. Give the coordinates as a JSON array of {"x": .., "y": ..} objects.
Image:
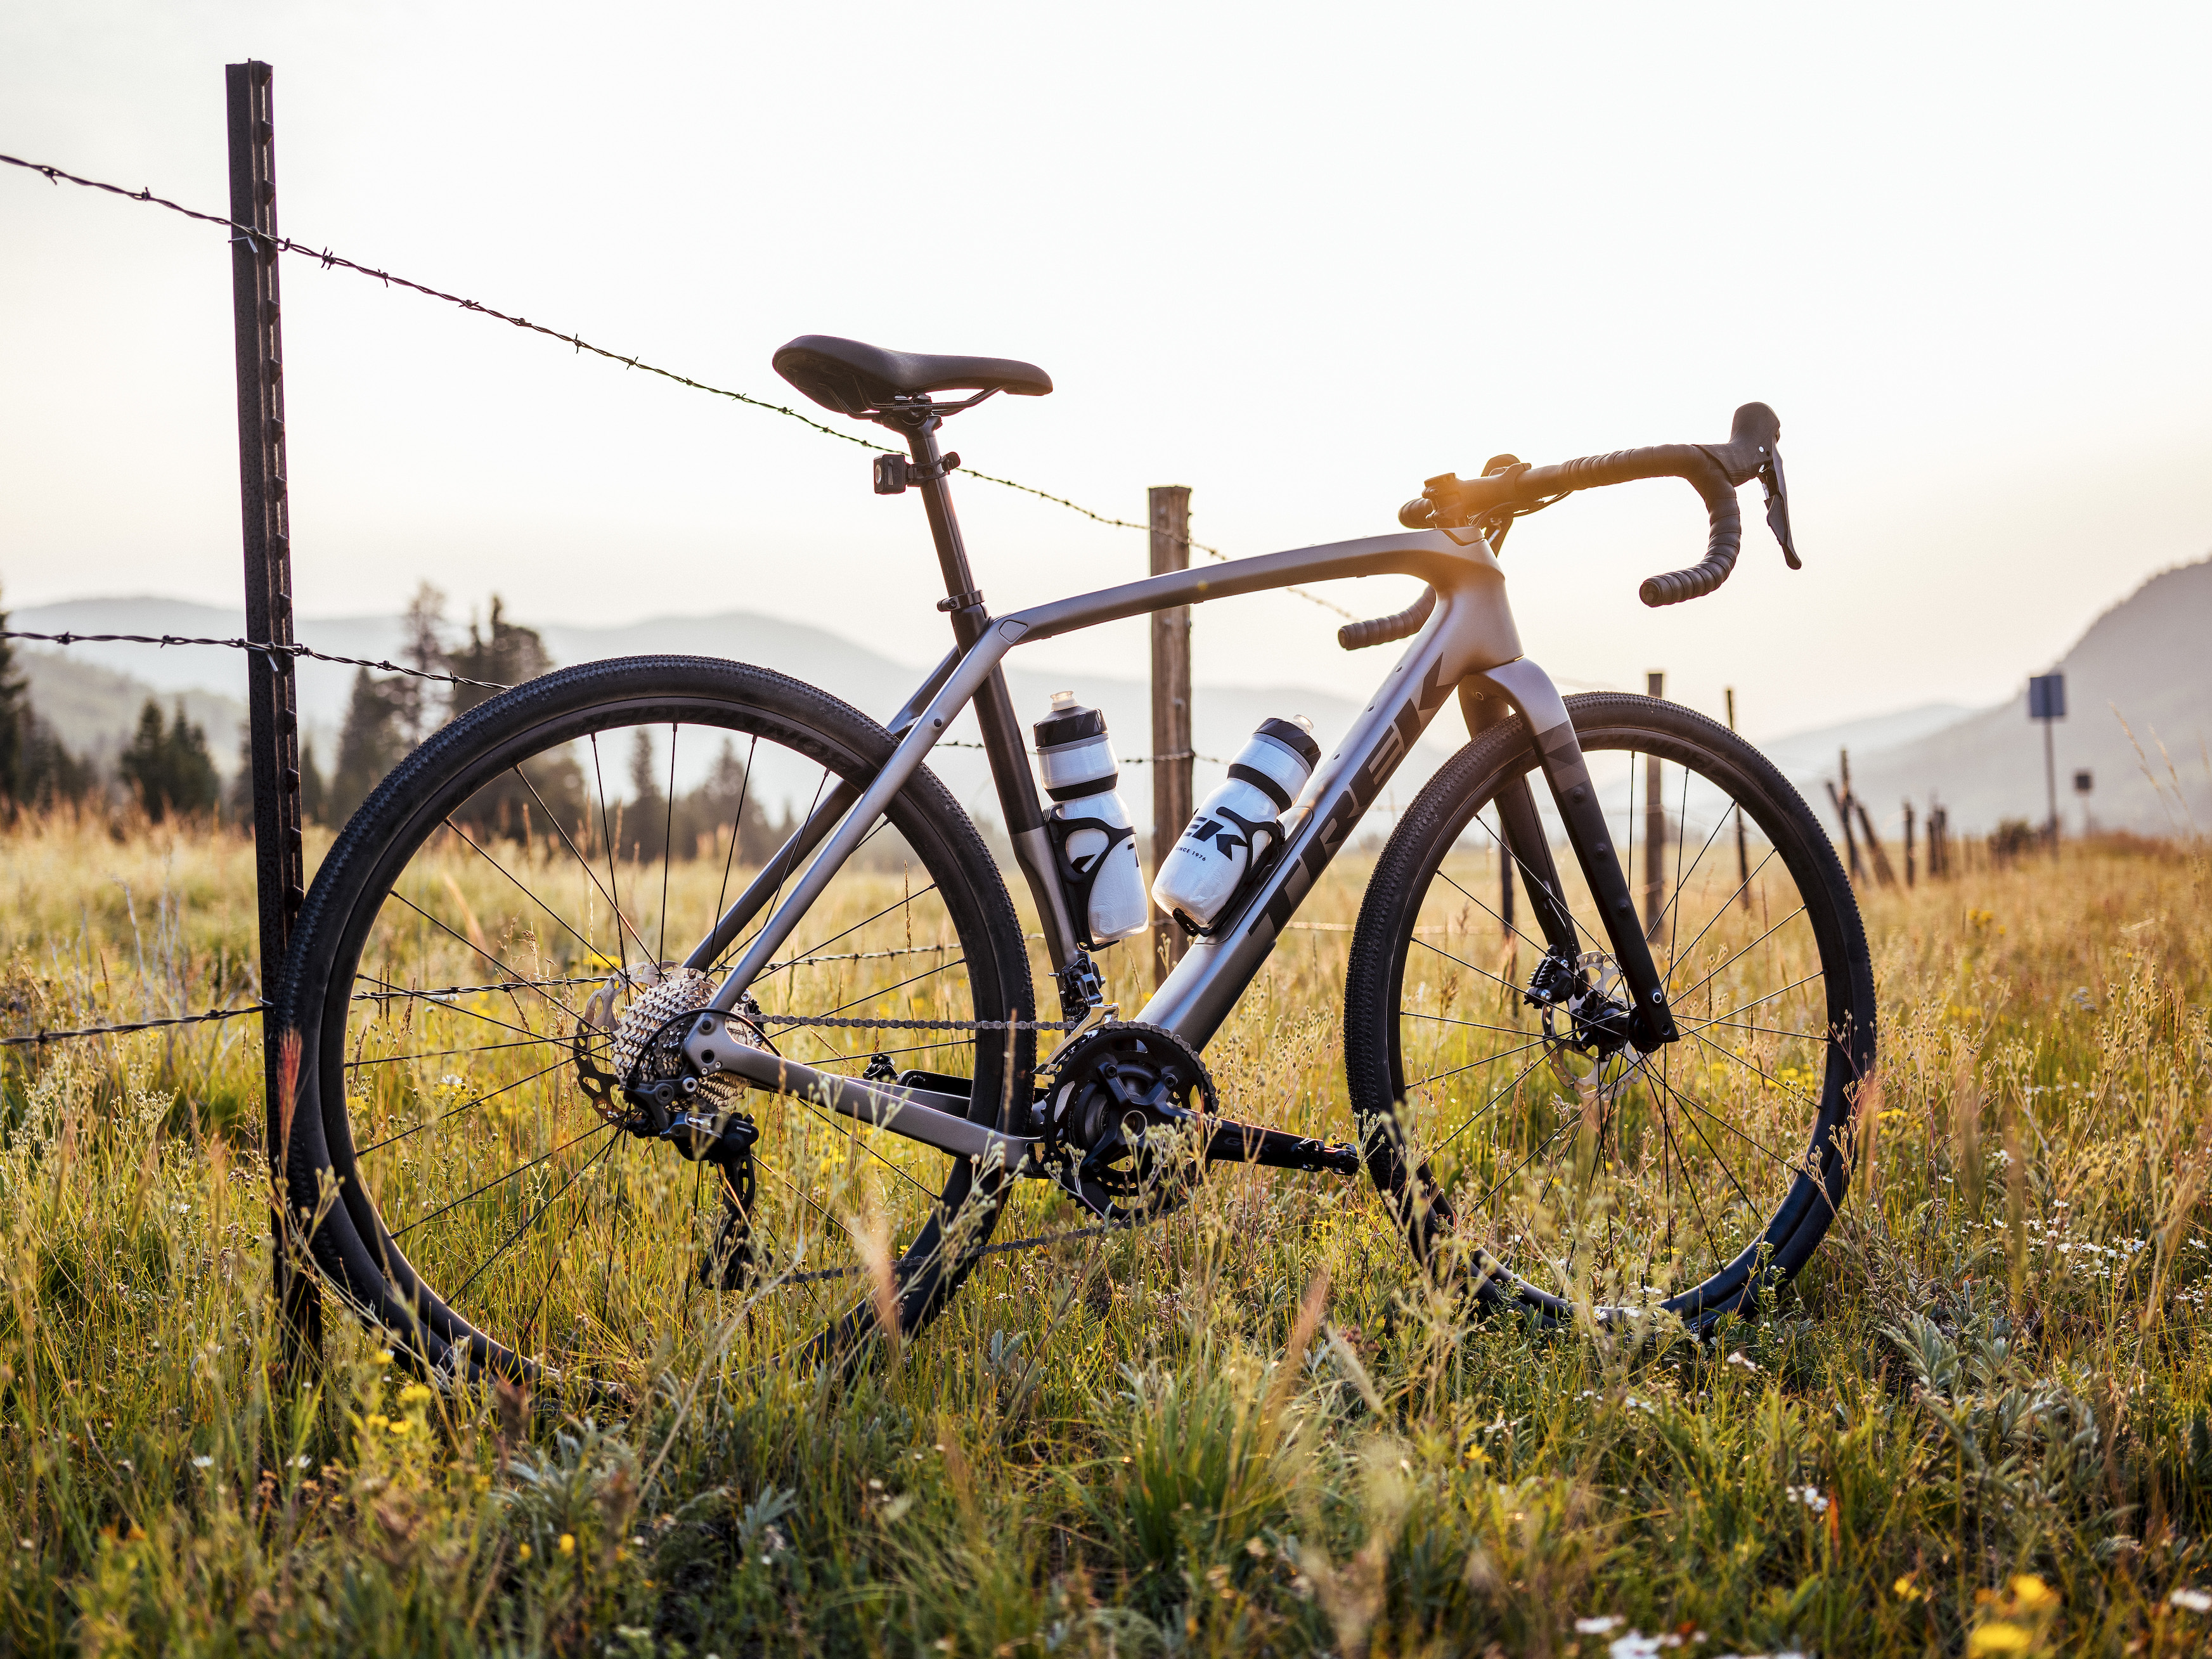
[
  {"x": 1670, "y": 1183},
  {"x": 505, "y": 1218}
]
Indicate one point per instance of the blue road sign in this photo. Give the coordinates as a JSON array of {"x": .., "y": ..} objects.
[{"x": 2046, "y": 697}]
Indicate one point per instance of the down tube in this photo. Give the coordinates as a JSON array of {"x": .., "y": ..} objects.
[{"x": 1198, "y": 996}]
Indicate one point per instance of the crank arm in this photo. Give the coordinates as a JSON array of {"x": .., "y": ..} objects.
[
  {"x": 1272, "y": 1149},
  {"x": 935, "y": 1120}
]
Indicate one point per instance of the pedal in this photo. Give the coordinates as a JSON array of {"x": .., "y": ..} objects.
[{"x": 1273, "y": 1149}]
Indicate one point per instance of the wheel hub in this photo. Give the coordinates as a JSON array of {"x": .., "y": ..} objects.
[
  {"x": 1586, "y": 1023},
  {"x": 648, "y": 1084}
]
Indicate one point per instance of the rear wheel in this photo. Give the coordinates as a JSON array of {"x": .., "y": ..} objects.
[
  {"x": 1527, "y": 1146},
  {"x": 464, "y": 960}
]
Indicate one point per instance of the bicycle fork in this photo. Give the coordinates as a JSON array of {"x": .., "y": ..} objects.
[{"x": 1560, "y": 754}]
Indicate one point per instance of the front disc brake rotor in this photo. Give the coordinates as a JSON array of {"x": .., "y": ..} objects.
[{"x": 1586, "y": 1039}]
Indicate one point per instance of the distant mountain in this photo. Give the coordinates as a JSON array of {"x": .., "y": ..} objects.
[
  {"x": 94, "y": 709},
  {"x": 1222, "y": 717},
  {"x": 1812, "y": 755},
  {"x": 2144, "y": 667},
  {"x": 2147, "y": 659}
]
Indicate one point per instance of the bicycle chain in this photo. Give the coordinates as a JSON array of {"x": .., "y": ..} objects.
[{"x": 850, "y": 1023}]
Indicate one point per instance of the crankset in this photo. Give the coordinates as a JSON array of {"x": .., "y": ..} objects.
[{"x": 1128, "y": 1120}]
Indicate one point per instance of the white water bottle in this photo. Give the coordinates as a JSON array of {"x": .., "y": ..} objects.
[
  {"x": 1089, "y": 824},
  {"x": 1235, "y": 823}
]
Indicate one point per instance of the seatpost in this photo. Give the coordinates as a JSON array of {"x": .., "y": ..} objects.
[
  {"x": 995, "y": 705},
  {"x": 960, "y": 596}
]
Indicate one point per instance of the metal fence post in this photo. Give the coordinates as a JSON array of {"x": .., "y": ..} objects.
[
  {"x": 272, "y": 706},
  {"x": 1172, "y": 798}
]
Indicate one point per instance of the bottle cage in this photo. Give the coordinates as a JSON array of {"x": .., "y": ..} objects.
[
  {"x": 1259, "y": 865},
  {"x": 1076, "y": 881}
]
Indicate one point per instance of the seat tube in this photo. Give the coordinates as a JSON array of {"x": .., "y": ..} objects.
[{"x": 995, "y": 705}]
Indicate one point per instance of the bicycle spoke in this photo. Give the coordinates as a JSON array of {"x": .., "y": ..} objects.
[
  {"x": 520, "y": 1168},
  {"x": 437, "y": 999},
  {"x": 531, "y": 1222},
  {"x": 444, "y": 1117},
  {"x": 519, "y": 888},
  {"x": 668, "y": 840},
  {"x": 486, "y": 955},
  {"x": 590, "y": 874},
  {"x": 1487, "y": 1059},
  {"x": 1759, "y": 1072},
  {"x": 1487, "y": 1104}
]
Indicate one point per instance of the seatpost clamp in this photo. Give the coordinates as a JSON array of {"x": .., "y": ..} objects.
[{"x": 971, "y": 600}]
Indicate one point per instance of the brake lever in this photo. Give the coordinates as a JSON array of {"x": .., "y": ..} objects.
[{"x": 1777, "y": 503}]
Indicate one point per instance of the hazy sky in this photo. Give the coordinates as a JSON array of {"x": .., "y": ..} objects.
[{"x": 1297, "y": 258}]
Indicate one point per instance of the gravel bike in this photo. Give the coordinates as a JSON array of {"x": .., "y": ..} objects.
[{"x": 666, "y": 976}]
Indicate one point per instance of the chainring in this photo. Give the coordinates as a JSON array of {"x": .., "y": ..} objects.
[{"x": 1124, "y": 1121}]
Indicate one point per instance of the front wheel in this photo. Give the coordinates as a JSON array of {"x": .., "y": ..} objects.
[{"x": 1529, "y": 1148}]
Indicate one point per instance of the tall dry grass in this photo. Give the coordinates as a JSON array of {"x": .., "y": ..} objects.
[{"x": 1979, "y": 1422}]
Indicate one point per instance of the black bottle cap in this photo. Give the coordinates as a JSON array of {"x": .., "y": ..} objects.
[
  {"x": 1293, "y": 737},
  {"x": 1069, "y": 723}
]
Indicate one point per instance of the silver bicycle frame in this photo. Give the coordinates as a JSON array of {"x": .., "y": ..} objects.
[{"x": 1470, "y": 636}]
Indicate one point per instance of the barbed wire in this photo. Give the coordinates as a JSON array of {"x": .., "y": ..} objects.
[
  {"x": 331, "y": 260},
  {"x": 263, "y": 646},
  {"x": 1118, "y": 760},
  {"x": 30, "y": 1037},
  {"x": 296, "y": 651}
]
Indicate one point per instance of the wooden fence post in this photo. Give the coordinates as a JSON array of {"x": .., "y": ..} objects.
[
  {"x": 1842, "y": 802},
  {"x": 271, "y": 703},
  {"x": 1908, "y": 841},
  {"x": 1172, "y": 799}
]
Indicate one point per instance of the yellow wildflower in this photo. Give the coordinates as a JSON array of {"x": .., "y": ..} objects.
[
  {"x": 2032, "y": 1592},
  {"x": 568, "y": 1543}
]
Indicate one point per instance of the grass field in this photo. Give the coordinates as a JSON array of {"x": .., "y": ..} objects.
[{"x": 1982, "y": 1421}]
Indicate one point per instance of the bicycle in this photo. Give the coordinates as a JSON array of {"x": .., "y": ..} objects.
[{"x": 1642, "y": 1113}]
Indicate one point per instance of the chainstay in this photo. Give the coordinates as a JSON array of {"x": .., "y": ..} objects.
[{"x": 849, "y": 1023}]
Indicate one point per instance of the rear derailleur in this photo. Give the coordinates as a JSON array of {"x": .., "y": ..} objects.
[
  {"x": 651, "y": 1093},
  {"x": 1128, "y": 1117}
]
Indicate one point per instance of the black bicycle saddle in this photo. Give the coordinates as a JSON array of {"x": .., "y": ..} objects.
[{"x": 853, "y": 378}]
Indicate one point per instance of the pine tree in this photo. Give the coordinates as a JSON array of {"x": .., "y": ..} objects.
[
  {"x": 15, "y": 719},
  {"x": 51, "y": 774},
  {"x": 506, "y": 654},
  {"x": 645, "y": 818},
  {"x": 370, "y": 744},
  {"x": 314, "y": 794},
  {"x": 424, "y": 647},
  {"x": 167, "y": 767},
  {"x": 722, "y": 801},
  {"x": 550, "y": 786}
]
